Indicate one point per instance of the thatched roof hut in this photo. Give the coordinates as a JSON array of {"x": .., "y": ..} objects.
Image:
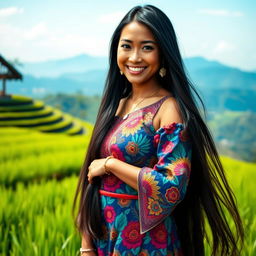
[{"x": 7, "y": 72}]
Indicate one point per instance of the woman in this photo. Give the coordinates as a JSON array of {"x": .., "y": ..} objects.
[{"x": 152, "y": 173}]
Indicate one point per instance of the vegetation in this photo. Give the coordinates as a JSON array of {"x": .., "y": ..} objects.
[
  {"x": 235, "y": 133},
  {"x": 38, "y": 180},
  {"x": 22, "y": 111},
  {"x": 36, "y": 219},
  {"x": 32, "y": 156},
  {"x": 79, "y": 105}
]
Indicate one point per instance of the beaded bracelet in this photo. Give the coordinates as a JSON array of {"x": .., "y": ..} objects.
[
  {"x": 105, "y": 167},
  {"x": 82, "y": 250}
]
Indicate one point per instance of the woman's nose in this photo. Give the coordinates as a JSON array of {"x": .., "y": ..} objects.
[{"x": 135, "y": 56}]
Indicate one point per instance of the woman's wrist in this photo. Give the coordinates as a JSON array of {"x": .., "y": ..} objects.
[
  {"x": 84, "y": 251},
  {"x": 107, "y": 166}
]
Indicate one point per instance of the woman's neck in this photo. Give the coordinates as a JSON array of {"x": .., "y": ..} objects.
[{"x": 142, "y": 91}]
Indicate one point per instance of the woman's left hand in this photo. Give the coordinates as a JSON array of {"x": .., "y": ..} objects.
[{"x": 96, "y": 168}]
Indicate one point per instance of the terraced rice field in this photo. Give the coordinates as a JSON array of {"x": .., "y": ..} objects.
[{"x": 20, "y": 111}]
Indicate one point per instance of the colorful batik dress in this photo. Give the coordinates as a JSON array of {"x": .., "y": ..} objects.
[{"x": 144, "y": 226}]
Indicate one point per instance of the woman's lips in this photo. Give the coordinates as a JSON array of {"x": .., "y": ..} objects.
[{"x": 135, "y": 70}]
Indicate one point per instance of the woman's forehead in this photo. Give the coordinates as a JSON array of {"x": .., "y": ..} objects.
[{"x": 136, "y": 31}]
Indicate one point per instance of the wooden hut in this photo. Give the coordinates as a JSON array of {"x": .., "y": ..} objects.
[{"x": 7, "y": 72}]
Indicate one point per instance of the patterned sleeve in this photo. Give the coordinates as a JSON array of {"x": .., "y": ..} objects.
[{"x": 162, "y": 187}]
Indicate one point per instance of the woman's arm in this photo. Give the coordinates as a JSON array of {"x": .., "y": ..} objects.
[
  {"x": 126, "y": 172},
  {"x": 168, "y": 113},
  {"x": 87, "y": 244}
]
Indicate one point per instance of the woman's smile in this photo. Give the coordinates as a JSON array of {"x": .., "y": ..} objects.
[{"x": 135, "y": 70}]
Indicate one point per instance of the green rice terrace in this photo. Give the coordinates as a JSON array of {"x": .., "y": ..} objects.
[
  {"x": 21, "y": 111},
  {"x": 39, "y": 168}
]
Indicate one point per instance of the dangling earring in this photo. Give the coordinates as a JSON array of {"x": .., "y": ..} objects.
[
  {"x": 121, "y": 72},
  {"x": 162, "y": 72}
]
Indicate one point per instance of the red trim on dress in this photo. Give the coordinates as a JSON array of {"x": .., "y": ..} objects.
[{"x": 117, "y": 195}]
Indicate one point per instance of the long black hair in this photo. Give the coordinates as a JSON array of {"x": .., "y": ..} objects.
[{"x": 208, "y": 195}]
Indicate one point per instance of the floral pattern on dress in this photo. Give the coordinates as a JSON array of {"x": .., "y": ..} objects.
[
  {"x": 144, "y": 227},
  {"x": 170, "y": 173},
  {"x": 133, "y": 126}
]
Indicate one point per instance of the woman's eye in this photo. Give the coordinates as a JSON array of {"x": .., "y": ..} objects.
[
  {"x": 148, "y": 47},
  {"x": 126, "y": 46}
]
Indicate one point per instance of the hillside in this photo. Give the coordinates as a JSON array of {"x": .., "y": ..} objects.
[
  {"x": 78, "y": 105},
  {"x": 21, "y": 111},
  {"x": 235, "y": 133},
  {"x": 222, "y": 87}
]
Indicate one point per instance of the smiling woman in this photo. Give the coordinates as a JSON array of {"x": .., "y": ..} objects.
[{"x": 150, "y": 173}]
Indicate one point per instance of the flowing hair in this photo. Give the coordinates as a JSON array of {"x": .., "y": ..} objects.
[{"x": 208, "y": 194}]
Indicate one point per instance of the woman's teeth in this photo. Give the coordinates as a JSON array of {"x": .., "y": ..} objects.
[{"x": 136, "y": 69}]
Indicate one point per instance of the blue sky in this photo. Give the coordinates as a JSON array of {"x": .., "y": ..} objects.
[{"x": 41, "y": 30}]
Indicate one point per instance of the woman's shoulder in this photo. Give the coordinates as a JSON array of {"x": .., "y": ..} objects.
[
  {"x": 169, "y": 112},
  {"x": 120, "y": 106}
]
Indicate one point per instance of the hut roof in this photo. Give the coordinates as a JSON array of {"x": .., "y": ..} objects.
[{"x": 7, "y": 71}]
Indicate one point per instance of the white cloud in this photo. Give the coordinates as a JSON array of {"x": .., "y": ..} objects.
[
  {"x": 223, "y": 46},
  {"x": 225, "y": 13},
  {"x": 40, "y": 43},
  {"x": 36, "y": 31},
  {"x": 8, "y": 33},
  {"x": 5, "y": 12},
  {"x": 72, "y": 44},
  {"x": 111, "y": 17}
]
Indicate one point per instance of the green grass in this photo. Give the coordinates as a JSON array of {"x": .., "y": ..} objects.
[
  {"x": 31, "y": 156},
  {"x": 35, "y": 212},
  {"x": 239, "y": 172},
  {"x": 36, "y": 220}
]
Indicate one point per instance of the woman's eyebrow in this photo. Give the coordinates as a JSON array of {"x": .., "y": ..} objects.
[{"x": 142, "y": 42}]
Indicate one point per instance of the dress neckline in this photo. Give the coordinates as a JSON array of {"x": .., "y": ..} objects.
[{"x": 150, "y": 105}]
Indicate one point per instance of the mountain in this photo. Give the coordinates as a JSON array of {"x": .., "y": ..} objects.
[
  {"x": 221, "y": 87},
  {"x": 55, "y": 68},
  {"x": 214, "y": 75},
  {"x": 89, "y": 83}
]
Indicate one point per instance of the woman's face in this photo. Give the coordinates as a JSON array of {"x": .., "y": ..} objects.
[{"x": 138, "y": 54}]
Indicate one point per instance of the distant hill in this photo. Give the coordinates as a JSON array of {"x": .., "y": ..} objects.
[
  {"x": 214, "y": 75},
  {"x": 87, "y": 83},
  {"x": 235, "y": 133},
  {"x": 221, "y": 87},
  {"x": 56, "y": 68}
]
